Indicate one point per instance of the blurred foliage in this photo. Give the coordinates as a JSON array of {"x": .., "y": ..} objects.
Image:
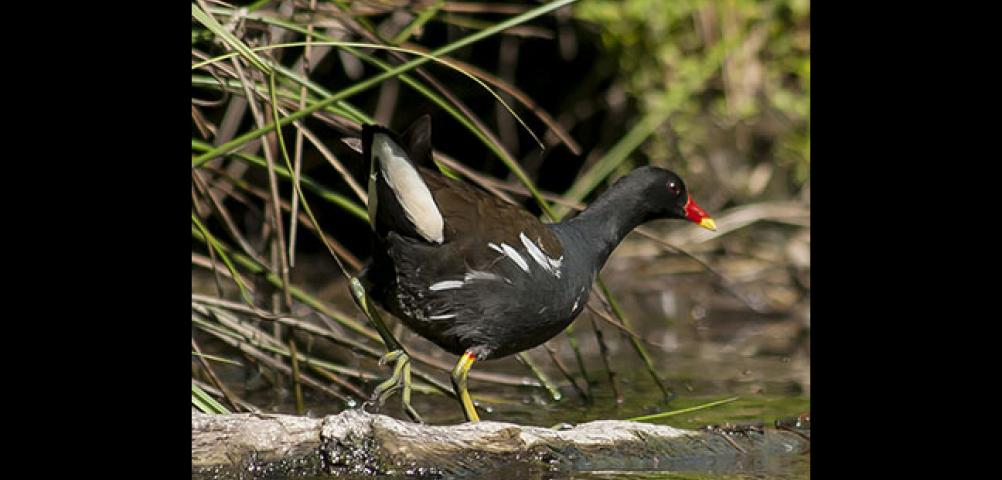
[{"x": 760, "y": 92}]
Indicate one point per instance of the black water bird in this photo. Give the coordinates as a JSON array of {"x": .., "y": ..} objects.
[{"x": 480, "y": 277}]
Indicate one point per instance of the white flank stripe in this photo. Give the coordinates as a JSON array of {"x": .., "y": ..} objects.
[
  {"x": 410, "y": 190},
  {"x": 442, "y": 317},
  {"x": 534, "y": 252},
  {"x": 509, "y": 252},
  {"x": 479, "y": 275},
  {"x": 515, "y": 257},
  {"x": 548, "y": 264},
  {"x": 446, "y": 285},
  {"x": 556, "y": 264}
]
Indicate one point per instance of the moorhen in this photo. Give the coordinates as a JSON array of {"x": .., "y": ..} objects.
[{"x": 482, "y": 278}]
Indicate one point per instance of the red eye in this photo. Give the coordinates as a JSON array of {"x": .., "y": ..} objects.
[{"x": 674, "y": 188}]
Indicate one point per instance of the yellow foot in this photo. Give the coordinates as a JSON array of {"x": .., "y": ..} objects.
[{"x": 400, "y": 380}]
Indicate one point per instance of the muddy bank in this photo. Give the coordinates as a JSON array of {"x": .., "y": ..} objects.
[{"x": 357, "y": 443}]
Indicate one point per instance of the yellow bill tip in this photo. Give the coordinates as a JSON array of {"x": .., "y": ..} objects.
[{"x": 708, "y": 224}]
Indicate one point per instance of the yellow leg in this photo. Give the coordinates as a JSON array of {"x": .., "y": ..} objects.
[
  {"x": 459, "y": 375},
  {"x": 401, "y": 378}
]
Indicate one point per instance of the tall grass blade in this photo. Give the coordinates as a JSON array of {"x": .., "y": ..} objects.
[
  {"x": 371, "y": 82},
  {"x": 204, "y": 402}
]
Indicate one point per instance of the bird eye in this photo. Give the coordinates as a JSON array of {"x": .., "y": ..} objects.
[{"x": 674, "y": 188}]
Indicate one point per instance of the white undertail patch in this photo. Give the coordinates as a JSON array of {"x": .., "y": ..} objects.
[
  {"x": 445, "y": 285},
  {"x": 412, "y": 193}
]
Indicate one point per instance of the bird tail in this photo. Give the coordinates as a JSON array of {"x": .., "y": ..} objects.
[{"x": 399, "y": 200}]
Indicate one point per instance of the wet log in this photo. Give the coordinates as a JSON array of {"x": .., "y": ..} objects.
[{"x": 355, "y": 443}]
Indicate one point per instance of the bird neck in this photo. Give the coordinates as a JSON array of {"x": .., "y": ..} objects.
[{"x": 600, "y": 228}]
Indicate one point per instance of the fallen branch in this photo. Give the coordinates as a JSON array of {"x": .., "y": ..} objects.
[{"x": 358, "y": 443}]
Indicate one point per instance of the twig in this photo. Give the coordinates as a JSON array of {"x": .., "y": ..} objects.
[
  {"x": 272, "y": 184},
  {"x": 604, "y": 351},
  {"x": 215, "y": 378},
  {"x": 563, "y": 370},
  {"x": 641, "y": 351},
  {"x": 543, "y": 378}
]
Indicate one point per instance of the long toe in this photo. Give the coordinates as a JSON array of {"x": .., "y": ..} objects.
[{"x": 400, "y": 380}]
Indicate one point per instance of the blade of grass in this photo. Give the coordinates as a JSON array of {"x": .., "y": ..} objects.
[
  {"x": 245, "y": 405},
  {"x": 372, "y": 81},
  {"x": 232, "y": 85},
  {"x": 484, "y": 7},
  {"x": 297, "y": 377},
  {"x": 223, "y": 34},
  {"x": 566, "y": 373},
  {"x": 517, "y": 94},
  {"x": 215, "y": 358},
  {"x": 212, "y": 254},
  {"x": 297, "y": 170},
  {"x": 573, "y": 341},
  {"x": 213, "y": 377},
  {"x": 603, "y": 350},
  {"x": 274, "y": 203},
  {"x": 614, "y": 157},
  {"x": 215, "y": 245},
  {"x": 204, "y": 402},
  {"x": 467, "y": 120},
  {"x": 345, "y": 255},
  {"x": 658, "y": 416},
  {"x": 224, "y": 214},
  {"x": 332, "y": 160},
  {"x": 297, "y": 190},
  {"x": 454, "y": 105},
  {"x": 208, "y": 264},
  {"x": 341, "y": 340},
  {"x": 297, "y": 193},
  {"x": 418, "y": 53},
  {"x": 527, "y": 31},
  {"x": 347, "y": 342},
  {"x": 463, "y": 67},
  {"x": 255, "y": 268},
  {"x": 417, "y": 23},
  {"x": 243, "y": 344},
  {"x": 543, "y": 378},
  {"x": 641, "y": 351},
  {"x": 258, "y": 338},
  {"x": 310, "y": 184}
]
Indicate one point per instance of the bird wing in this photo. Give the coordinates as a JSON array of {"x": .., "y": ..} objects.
[
  {"x": 472, "y": 229},
  {"x": 482, "y": 226}
]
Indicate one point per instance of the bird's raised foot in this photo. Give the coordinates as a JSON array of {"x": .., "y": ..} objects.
[{"x": 399, "y": 380}]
